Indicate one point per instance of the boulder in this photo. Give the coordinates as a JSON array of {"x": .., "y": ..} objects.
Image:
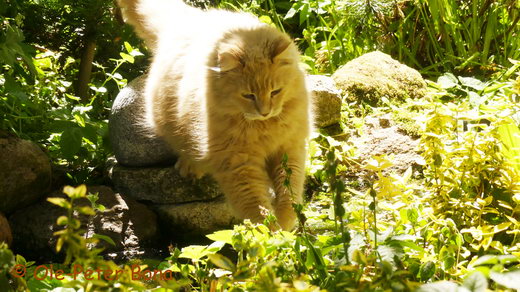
[
  {"x": 161, "y": 185},
  {"x": 376, "y": 75},
  {"x": 25, "y": 173},
  {"x": 131, "y": 225},
  {"x": 382, "y": 136},
  {"x": 326, "y": 99},
  {"x": 191, "y": 219},
  {"x": 132, "y": 142},
  {"x": 5, "y": 231}
]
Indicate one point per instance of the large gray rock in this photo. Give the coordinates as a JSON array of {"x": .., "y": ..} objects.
[
  {"x": 131, "y": 225},
  {"x": 196, "y": 218},
  {"x": 186, "y": 207},
  {"x": 25, "y": 173},
  {"x": 161, "y": 185},
  {"x": 5, "y": 231},
  {"x": 326, "y": 98},
  {"x": 382, "y": 136},
  {"x": 134, "y": 144},
  {"x": 376, "y": 75}
]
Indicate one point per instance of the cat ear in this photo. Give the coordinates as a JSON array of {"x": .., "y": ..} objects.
[
  {"x": 228, "y": 61},
  {"x": 281, "y": 51}
]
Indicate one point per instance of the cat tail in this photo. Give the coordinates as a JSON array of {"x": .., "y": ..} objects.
[{"x": 149, "y": 17}]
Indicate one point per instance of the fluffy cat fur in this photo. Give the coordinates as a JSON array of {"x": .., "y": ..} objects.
[{"x": 226, "y": 92}]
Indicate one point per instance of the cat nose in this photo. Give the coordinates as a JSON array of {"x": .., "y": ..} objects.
[{"x": 263, "y": 108}]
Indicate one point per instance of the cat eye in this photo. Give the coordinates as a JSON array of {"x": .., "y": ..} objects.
[
  {"x": 275, "y": 92},
  {"x": 250, "y": 96}
]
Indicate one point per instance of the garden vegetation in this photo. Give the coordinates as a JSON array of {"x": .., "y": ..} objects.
[{"x": 453, "y": 224}]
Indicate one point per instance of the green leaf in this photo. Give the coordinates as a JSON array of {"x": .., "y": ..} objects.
[
  {"x": 413, "y": 215},
  {"x": 510, "y": 137},
  {"x": 70, "y": 142},
  {"x": 426, "y": 271},
  {"x": 73, "y": 97},
  {"x": 6, "y": 257},
  {"x": 215, "y": 247},
  {"x": 447, "y": 81},
  {"x": 64, "y": 203},
  {"x": 388, "y": 253},
  {"x": 476, "y": 282},
  {"x": 62, "y": 220},
  {"x": 304, "y": 13},
  {"x": 128, "y": 47},
  {"x": 196, "y": 252},
  {"x": 448, "y": 261},
  {"x": 290, "y": 13},
  {"x": 75, "y": 192},
  {"x": 127, "y": 57},
  {"x": 4, "y": 283},
  {"x": 86, "y": 210},
  {"x": 104, "y": 238},
  {"x": 472, "y": 83},
  {"x": 222, "y": 262},
  {"x": 509, "y": 280},
  {"x": 222, "y": 235},
  {"x": 495, "y": 259},
  {"x": 266, "y": 19},
  {"x": 442, "y": 286},
  {"x": 476, "y": 99},
  {"x": 409, "y": 244},
  {"x": 80, "y": 120}
]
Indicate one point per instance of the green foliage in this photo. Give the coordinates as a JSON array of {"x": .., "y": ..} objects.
[
  {"x": 432, "y": 35},
  {"x": 37, "y": 102},
  {"x": 459, "y": 35},
  {"x": 466, "y": 145},
  {"x": 451, "y": 226}
]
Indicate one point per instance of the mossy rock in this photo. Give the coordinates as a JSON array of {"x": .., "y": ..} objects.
[{"x": 375, "y": 75}]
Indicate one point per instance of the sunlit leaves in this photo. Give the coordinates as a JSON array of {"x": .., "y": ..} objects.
[
  {"x": 469, "y": 149},
  {"x": 509, "y": 280}
]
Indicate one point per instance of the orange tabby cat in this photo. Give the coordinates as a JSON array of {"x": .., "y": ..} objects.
[{"x": 226, "y": 92}]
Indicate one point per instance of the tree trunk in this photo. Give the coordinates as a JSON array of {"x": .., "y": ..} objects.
[{"x": 85, "y": 69}]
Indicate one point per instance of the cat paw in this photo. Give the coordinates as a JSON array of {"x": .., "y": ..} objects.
[
  {"x": 286, "y": 218},
  {"x": 186, "y": 168}
]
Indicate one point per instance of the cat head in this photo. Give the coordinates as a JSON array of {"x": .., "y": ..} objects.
[{"x": 255, "y": 72}]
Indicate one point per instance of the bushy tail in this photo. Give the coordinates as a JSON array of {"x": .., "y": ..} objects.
[{"x": 148, "y": 17}]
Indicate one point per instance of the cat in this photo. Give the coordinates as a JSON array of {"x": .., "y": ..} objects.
[{"x": 227, "y": 93}]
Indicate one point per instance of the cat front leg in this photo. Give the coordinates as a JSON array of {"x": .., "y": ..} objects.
[
  {"x": 287, "y": 195},
  {"x": 187, "y": 168},
  {"x": 244, "y": 180}
]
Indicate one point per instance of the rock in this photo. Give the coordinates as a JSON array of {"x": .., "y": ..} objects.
[
  {"x": 161, "y": 185},
  {"x": 326, "y": 98},
  {"x": 382, "y": 136},
  {"x": 376, "y": 75},
  {"x": 25, "y": 173},
  {"x": 196, "y": 218},
  {"x": 133, "y": 144},
  {"x": 5, "y": 231},
  {"x": 131, "y": 225}
]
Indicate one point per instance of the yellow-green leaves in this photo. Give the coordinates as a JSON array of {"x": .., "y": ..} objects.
[
  {"x": 509, "y": 135},
  {"x": 75, "y": 192}
]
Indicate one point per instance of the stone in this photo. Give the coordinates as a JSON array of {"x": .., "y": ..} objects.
[
  {"x": 326, "y": 98},
  {"x": 382, "y": 136},
  {"x": 132, "y": 142},
  {"x": 5, "y": 231},
  {"x": 161, "y": 185},
  {"x": 375, "y": 75},
  {"x": 25, "y": 173},
  {"x": 131, "y": 225},
  {"x": 196, "y": 218}
]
